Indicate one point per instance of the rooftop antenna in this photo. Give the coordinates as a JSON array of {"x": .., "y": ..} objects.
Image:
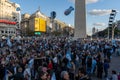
[{"x": 38, "y": 8}]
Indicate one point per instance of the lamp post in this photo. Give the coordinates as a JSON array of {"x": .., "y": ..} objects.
[
  {"x": 52, "y": 17},
  {"x": 25, "y": 28},
  {"x": 113, "y": 29},
  {"x": 18, "y": 13}
]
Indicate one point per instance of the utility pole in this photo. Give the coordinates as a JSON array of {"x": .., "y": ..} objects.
[
  {"x": 113, "y": 29},
  {"x": 52, "y": 17}
]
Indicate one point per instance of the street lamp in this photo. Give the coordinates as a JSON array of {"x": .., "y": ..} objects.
[
  {"x": 18, "y": 16},
  {"x": 52, "y": 17},
  {"x": 113, "y": 29},
  {"x": 25, "y": 28}
]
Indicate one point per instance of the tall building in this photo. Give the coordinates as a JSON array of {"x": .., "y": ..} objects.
[
  {"x": 9, "y": 18},
  {"x": 93, "y": 30}
]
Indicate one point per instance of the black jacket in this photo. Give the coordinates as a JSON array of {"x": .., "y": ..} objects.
[{"x": 18, "y": 76}]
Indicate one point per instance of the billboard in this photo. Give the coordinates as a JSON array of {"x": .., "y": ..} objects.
[
  {"x": 40, "y": 25},
  {"x": 37, "y": 27}
]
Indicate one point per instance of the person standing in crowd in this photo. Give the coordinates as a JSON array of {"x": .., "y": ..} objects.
[
  {"x": 27, "y": 73},
  {"x": 99, "y": 69},
  {"x": 65, "y": 75},
  {"x": 117, "y": 51},
  {"x": 106, "y": 67},
  {"x": 94, "y": 63},
  {"x": 89, "y": 64},
  {"x": 71, "y": 70},
  {"x": 2, "y": 70},
  {"x": 119, "y": 76},
  {"x": 18, "y": 76},
  {"x": 82, "y": 75},
  {"x": 60, "y": 54},
  {"x": 84, "y": 55},
  {"x": 50, "y": 65},
  {"x": 114, "y": 75},
  {"x": 43, "y": 76}
]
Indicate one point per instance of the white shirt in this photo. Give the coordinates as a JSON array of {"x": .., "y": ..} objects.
[
  {"x": 114, "y": 77},
  {"x": 55, "y": 60}
]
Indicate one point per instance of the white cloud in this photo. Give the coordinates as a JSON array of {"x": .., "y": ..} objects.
[
  {"x": 99, "y": 12},
  {"x": 91, "y": 1},
  {"x": 87, "y": 1},
  {"x": 72, "y": 1},
  {"x": 99, "y": 24}
]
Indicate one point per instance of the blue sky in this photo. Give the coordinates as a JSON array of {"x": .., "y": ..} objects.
[{"x": 97, "y": 11}]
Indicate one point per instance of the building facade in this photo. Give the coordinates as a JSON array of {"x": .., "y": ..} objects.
[
  {"x": 9, "y": 18},
  {"x": 28, "y": 23}
]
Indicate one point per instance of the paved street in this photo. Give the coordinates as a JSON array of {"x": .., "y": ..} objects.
[{"x": 114, "y": 65}]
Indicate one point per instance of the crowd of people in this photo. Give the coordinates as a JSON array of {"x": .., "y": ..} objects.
[{"x": 56, "y": 58}]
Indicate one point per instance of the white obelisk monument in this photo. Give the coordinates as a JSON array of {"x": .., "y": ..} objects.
[{"x": 80, "y": 19}]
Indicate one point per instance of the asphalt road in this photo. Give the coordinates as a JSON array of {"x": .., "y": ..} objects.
[{"x": 114, "y": 65}]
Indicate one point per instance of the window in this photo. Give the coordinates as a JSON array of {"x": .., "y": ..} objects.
[
  {"x": 11, "y": 31},
  {"x": 5, "y": 31},
  {"x": 2, "y": 31}
]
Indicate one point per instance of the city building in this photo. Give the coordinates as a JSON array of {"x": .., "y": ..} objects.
[
  {"x": 93, "y": 30},
  {"x": 28, "y": 25},
  {"x": 9, "y": 18}
]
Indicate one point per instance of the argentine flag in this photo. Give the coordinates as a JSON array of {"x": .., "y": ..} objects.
[
  {"x": 9, "y": 42},
  {"x": 53, "y": 76},
  {"x": 68, "y": 54}
]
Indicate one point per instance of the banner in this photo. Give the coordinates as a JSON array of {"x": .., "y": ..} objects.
[
  {"x": 42, "y": 25},
  {"x": 37, "y": 28}
]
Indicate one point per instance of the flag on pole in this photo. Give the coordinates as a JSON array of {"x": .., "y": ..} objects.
[
  {"x": 9, "y": 42},
  {"x": 68, "y": 54}
]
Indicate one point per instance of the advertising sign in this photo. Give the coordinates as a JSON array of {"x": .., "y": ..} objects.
[
  {"x": 37, "y": 27},
  {"x": 42, "y": 25}
]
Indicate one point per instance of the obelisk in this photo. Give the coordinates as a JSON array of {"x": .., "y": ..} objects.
[{"x": 80, "y": 19}]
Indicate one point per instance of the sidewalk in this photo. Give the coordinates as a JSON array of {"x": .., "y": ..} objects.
[{"x": 114, "y": 65}]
